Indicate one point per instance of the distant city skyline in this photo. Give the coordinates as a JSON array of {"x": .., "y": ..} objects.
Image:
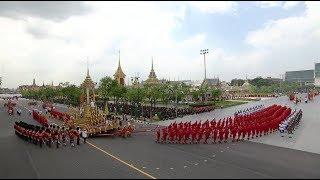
[{"x": 51, "y": 42}]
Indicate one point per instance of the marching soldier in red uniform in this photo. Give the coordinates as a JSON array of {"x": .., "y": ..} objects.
[
  {"x": 187, "y": 135},
  {"x": 226, "y": 135},
  {"x": 215, "y": 134},
  {"x": 63, "y": 136},
  {"x": 221, "y": 135},
  {"x": 71, "y": 136},
  {"x": 200, "y": 135},
  {"x": 207, "y": 135},
  {"x": 158, "y": 136},
  {"x": 40, "y": 136},
  {"x": 193, "y": 136},
  {"x": 164, "y": 135}
]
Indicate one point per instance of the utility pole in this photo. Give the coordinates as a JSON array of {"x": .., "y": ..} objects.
[{"x": 204, "y": 52}]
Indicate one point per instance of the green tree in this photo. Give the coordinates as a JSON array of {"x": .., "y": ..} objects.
[
  {"x": 106, "y": 87},
  {"x": 237, "y": 82},
  {"x": 118, "y": 92},
  {"x": 71, "y": 95},
  {"x": 164, "y": 94},
  {"x": 195, "y": 94},
  {"x": 135, "y": 95},
  {"x": 216, "y": 93},
  {"x": 153, "y": 93},
  {"x": 259, "y": 82}
]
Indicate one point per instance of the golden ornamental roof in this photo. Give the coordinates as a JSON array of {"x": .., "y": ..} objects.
[
  {"x": 119, "y": 73},
  {"x": 88, "y": 83},
  {"x": 152, "y": 76},
  {"x": 152, "y": 81}
]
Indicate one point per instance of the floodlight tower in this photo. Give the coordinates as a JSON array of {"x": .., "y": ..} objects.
[{"x": 204, "y": 52}]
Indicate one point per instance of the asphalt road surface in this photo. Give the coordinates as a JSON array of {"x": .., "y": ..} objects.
[{"x": 140, "y": 157}]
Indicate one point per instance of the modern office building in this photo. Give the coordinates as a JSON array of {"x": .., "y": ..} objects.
[{"x": 304, "y": 77}]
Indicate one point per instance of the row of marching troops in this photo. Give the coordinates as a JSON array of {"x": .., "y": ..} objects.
[
  {"x": 58, "y": 115},
  {"x": 240, "y": 127},
  {"x": 249, "y": 110},
  {"x": 291, "y": 123},
  {"x": 49, "y": 136},
  {"x": 40, "y": 118},
  {"x": 163, "y": 113}
]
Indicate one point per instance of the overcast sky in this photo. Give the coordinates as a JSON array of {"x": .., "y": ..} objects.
[{"x": 51, "y": 41}]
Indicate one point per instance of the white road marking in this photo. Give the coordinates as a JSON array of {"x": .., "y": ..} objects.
[
  {"x": 185, "y": 166},
  {"x": 32, "y": 165}
]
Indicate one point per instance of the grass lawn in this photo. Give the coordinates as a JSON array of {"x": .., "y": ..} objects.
[
  {"x": 244, "y": 99},
  {"x": 227, "y": 103},
  {"x": 218, "y": 104}
]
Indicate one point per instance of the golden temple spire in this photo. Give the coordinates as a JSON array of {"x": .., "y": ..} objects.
[
  {"x": 119, "y": 60},
  {"x": 152, "y": 78},
  {"x": 119, "y": 75},
  {"x": 151, "y": 63},
  {"x": 88, "y": 68}
]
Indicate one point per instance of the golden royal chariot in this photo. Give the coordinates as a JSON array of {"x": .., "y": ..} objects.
[{"x": 96, "y": 121}]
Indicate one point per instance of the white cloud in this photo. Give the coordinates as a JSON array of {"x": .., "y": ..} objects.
[
  {"x": 289, "y": 43},
  {"x": 269, "y": 4},
  {"x": 290, "y": 4},
  {"x": 57, "y": 50},
  {"x": 214, "y": 6},
  {"x": 283, "y": 4}
]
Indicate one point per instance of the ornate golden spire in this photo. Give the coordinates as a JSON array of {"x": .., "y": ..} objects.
[
  {"x": 152, "y": 78},
  {"x": 88, "y": 69},
  {"x": 119, "y": 75},
  {"x": 152, "y": 63},
  {"x": 88, "y": 83},
  {"x": 152, "y": 73}
]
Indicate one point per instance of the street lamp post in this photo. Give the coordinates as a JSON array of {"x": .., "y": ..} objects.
[{"x": 204, "y": 52}]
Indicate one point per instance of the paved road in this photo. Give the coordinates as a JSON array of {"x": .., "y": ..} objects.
[
  {"x": 24, "y": 160},
  {"x": 306, "y": 135},
  {"x": 111, "y": 158},
  {"x": 304, "y": 138}
]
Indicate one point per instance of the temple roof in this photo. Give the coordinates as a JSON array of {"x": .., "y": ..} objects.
[
  {"x": 152, "y": 78},
  {"x": 119, "y": 73},
  {"x": 88, "y": 83}
]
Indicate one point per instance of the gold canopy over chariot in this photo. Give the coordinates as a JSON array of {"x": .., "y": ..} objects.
[{"x": 88, "y": 116}]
